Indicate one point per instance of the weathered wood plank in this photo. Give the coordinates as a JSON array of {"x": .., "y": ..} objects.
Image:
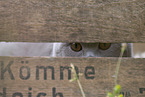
[
  {"x": 23, "y": 76},
  {"x": 72, "y": 20}
]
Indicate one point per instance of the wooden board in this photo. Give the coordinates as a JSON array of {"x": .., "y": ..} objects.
[
  {"x": 72, "y": 20},
  {"x": 48, "y": 77}
]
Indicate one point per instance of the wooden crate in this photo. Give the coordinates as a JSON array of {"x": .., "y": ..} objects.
[
  {"x": 71, "y": 21},
  {"x": 50, "y": 76}
]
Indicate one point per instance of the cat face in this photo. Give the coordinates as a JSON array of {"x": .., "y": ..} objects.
[{"x": 88, "y": 49}]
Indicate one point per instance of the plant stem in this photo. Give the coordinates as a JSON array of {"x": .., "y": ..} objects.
[
  {"x": 80, "y": 86},
  {"x": 124, "y": 45},
  {"x": 78, "y": 81}
]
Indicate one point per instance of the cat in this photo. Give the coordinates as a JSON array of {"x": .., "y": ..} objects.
[
  {"x": 64, "y": 49},
  {"x": 90, "y": 50}
]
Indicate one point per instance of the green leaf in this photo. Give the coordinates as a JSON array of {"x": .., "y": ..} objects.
[
  {"x": 117, "y": 89},
  {"x": 120, "y": 95},
  {"x": 110, "y": 95}
]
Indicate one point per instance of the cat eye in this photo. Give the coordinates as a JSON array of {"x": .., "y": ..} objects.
[
  {"x": 104, "y": 46},
  {"x": 76, "y": 47}
]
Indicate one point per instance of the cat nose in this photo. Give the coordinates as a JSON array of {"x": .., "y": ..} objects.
[{"x": 90, "y": 54}]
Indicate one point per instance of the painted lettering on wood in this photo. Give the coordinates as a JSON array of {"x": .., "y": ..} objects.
[{"x": 36, "y": 77}]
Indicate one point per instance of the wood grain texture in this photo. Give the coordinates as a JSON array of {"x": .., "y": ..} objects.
[
  {"x": 131, "y": 76},
  {"x": 72, "y": 20}
]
